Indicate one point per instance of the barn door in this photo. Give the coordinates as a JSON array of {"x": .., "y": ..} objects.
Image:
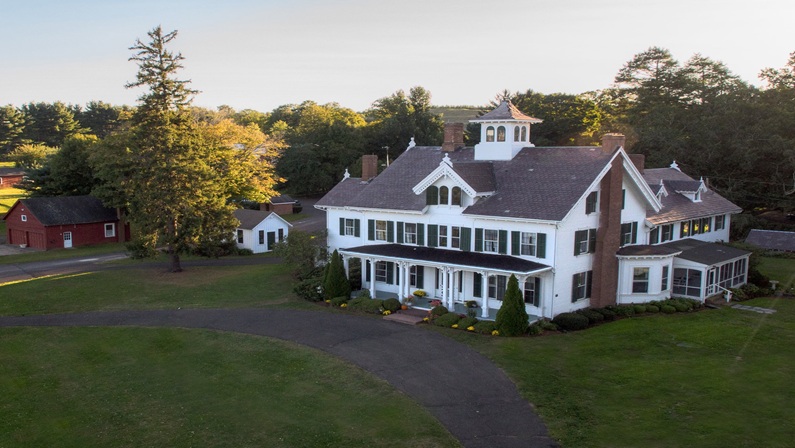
[{"x": 67, "y": 240}]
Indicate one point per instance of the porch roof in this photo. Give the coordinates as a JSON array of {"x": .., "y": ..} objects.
[
  {"x": 475, "y": 261},
  {"x": 705, "y": 253}
]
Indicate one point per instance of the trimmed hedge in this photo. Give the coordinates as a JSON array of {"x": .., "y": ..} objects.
[
  {"x": 640, "y": 309},
  {"x": 447, "y": 320},
  {"x": 485, "y": 327},
  {"x": 337, "y": 301},
  {"x": 391, "y": 304},
  {"x": 593, "y": 316},
  {"x": 467, "y": 322},
  {"x": 438, "y": 310},
  {"x": 571, "y": 321},
  {"x": 373, "y": 306},
  {"x": 607, "y": 313},
  {"x": 652, "y": 309},
  {"x": 667, "y": 309}
]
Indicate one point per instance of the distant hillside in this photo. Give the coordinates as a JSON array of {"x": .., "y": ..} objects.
[{"x": 457, "y": 114}]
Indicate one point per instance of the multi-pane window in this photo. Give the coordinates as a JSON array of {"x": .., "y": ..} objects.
[
  {"x": 527, "y": 244},
  {"x": 664, "y": 282},
  {"x": 584, "y": 241},
  {"x": 380, "y": 271},
  {"x": 720, "y": 222},
  {"x": 516, "y": 134},
  {"x": 442, "y": 236},
  {"x": 684, "y": 229},
  {"x": 501, "y": 133},
  {"x": 443, "y": 195},
  {"x": 413, "y": 276},
  {"x": 261, "y": 236},
  {"x": 666, "y": 233},
  {"x": 456, "y": 196},
  {"x": 739, "y": 272},
  {"x": 280, "y": 232},
  {"x": 455, "y": 237},
  {"x": 490, "y": 134},
  {"x": 110, "y": 230},
  {"x": 629, "y": 233},
  {"x": 640, "y": 280},
  {"x": 591, "y": 203},
  {"x": 350, "y": 227},
  {"x": 531, "y": 291},
  {"x": 497, "y": 286},
  {"x": 581, "y": 285},
  {"x": 687, "y": 282},
  {"x": 239, "y": 236},
  {"x": 410, "y": 233},
  {"x": 491, "y": 240},
  {"x": 380, "y": 230}
]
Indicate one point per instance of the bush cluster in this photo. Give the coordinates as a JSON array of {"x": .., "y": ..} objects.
[
  {"x": 447, "y": 320},
  {"x": 571, "y": 321},
  {"x": 367, "y": 305},
  {"x": 485, "y": 327},
  {"x": 438, "y": 310},
  {"x": 391, "y": 304},
  {"x": 337, "y": 301},
  {"x": 593, "y": 316},
  {"x": 749, "y": 291},
  {"x": 309, "y": 289}
]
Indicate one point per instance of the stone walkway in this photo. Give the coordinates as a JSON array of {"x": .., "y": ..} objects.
[
  {"x": 755, "y": 309},
  {"x": 470, "y": 396}
]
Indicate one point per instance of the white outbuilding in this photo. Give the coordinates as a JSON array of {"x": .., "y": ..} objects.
[{"x": 260, "y": 230}]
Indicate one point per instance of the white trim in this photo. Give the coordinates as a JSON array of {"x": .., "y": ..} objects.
[{"x": 445, "y": 169}]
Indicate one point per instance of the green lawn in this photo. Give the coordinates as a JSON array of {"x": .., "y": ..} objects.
[
  {"x": 121, "y": 387},
  {"x": 59, "y": 254},
  {"x": 8, "y": 196},
  {"x": 781, "y": 269}
]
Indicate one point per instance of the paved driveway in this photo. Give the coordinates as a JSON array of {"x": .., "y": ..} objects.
[{"x": 469, "y": 395}]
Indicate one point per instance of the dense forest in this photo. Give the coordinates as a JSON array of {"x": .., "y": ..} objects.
[{"x": 739, "y": 137}]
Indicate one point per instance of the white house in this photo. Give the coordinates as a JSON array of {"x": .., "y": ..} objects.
[
  {"x": 579, "y": 226},
  {"x": 260, "y": 230}
]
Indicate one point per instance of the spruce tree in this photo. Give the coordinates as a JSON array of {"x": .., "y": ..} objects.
[
  {"x": 512, "y": 317},
  {"x": 336, "y": 283}
]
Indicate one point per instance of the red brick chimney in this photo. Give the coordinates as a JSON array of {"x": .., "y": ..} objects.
[
  {"x": 369, "y": 166},
  {"x": 453, "y": 136},
  {"x": 611, "y": 142},
  {"x": 608, "y": 236}
]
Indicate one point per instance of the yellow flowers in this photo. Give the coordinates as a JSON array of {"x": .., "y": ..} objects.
[
  {"x": 344, "y": 305},
  {"x": 495, "y": 333},
  {"x": 328, "y": 301},
  {"x": 425, "y": 319},
  {"x": 470, "y": 328},
  {"x": 387, "y": 313},
  {"x": 455, "y": 326}
]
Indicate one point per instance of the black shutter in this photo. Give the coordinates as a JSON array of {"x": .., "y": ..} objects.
[
  {"x": 390, "y": 272},
  {"x": 433, "y": 235},
  {"x": 478, "y": 240},
  {"x": 574, "y": 282},
  {"x": 399, "y": 232},
  {"x": 579, "y": 237},
  {"x": 356, "y": 230},
  {"x": 370, "y": 230},
  {"x": 367, "y": 270},
  {"x": 342, "y": 226},
  {"x": 655, "y": 235},
  {"x": 591, "y": 241},
  {"x": 635, "y": 232},
  {"x": 390, "y": 231},
  {"x": 515, "y": 241},
  {"x": 503, "y": 242},
  {"x": 541, "y": 245},
  {"x": 466, "y": 239},
  {"x": 477, "y": 284},
  {"x": 420, "y": 234},
  {"x": 420, "y": 276},
  {"x": 588, "y": 283}
]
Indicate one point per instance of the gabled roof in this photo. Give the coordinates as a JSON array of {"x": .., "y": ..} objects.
[
  {"x": 479, "y": 175},
  {"x": 67, "y": 210},
  {"x": 482, "y": 175},
  {"x": 282, "y": 199},
  {"x": 252, "y": 218},
  {"x": 506, "y": 111},
  {"x": 678, "y": 207},
  {"x": 10, "y": 171},
  {"x": 772, "y": 239}
]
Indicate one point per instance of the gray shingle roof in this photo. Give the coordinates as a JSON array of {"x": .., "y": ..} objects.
[
  {"x": 772, "y": 239},
  {"x": 703, "y": 252},
  {"x": 250, "y": 218},
  {"x": 677, "y": 207},
  {"x": 282, "y": 199},
  {"x": 65, "y": 210},
  {"x": 646, "y": 250},
  {"x": 10, "y": 171},
  {"x": 505, "y": 111},
  {"x": 451, "y": 257},
  {"x": 540, "y": 183}
]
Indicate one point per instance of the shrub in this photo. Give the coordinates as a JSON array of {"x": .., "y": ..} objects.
[
  {"x": 571, "y": 321},
  {"x": 592, "y": 315},
  {"x": 607, "y": 313},
  {"x": 624, "y": 310},
  {"x": 512, "y": 317},
  {"x": 365, "y": 293},
  {"x": 391, "y": 304},
  {"x": 547, "y": 325},
  {"x": 438, "y": 310},
  {"x": 467, "y": 322},
  {"x": 335, "y": 283},
  {"x": 667, "y": 309},
  {"x": 139, "y": 250},
  {"x": 535, "y": 329},
  {"x": 751, "y": 291},
  {"x": 652, "y": 309},
  {"x": 485, "y": 327},
  {"x": 373, "y": 306},
  {"x": 309, "y": 289},
  {"x": 640, "y": 309},
  {"x": 679, "y": 306},
  {"x": 447, "y": 320},
  {"x": 337, "y": 301}
]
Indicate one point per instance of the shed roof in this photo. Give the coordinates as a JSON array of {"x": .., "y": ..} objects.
[
  {"x": 66, "y": 210},
  {"x": 703, "y": 252},
  {"x": 772, "y": 239}
]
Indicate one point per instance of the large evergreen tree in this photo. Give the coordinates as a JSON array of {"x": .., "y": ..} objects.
[
  {"x": 336, "y": 283},
  {"x": 512, "y": 318}
]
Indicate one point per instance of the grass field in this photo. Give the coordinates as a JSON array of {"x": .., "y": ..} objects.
[
  {"x": 781, "y": 269},
  {"x": 8, "y": 196},
  {"x": 122, "y": 387}
]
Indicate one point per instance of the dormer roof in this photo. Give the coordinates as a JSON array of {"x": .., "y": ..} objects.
[
  {"x": 680, "y": 206},
  {"x": 506, "y": 111}
]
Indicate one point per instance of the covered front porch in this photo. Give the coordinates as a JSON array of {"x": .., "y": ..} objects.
[{"x": 451, "y": 277}]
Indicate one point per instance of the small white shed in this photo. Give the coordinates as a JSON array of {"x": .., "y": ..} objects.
[{"x": 260, "y": 230}]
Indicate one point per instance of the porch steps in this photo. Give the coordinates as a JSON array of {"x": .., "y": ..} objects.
[{"x": 409, "y": 317}]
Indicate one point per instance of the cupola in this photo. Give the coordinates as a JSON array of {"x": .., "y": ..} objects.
[{"x": 503, "y": 133}]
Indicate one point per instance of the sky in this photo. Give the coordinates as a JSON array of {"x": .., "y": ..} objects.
[{"x": 259, "y": 54}]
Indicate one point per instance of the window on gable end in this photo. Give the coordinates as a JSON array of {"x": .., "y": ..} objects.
[
  {"x": 591, "y": 202},
  {"x": 443, "y": 195},
  {"x": 490, "y": 134},
  {"x": 432, "y": 195},
  {"x": 456, "y": 196}
]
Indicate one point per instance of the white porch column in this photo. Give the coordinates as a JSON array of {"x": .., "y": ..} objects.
[
  {"x": 363, "y": 273},
  {"x": 444, "y": 287},
  {"x": 372, "y": 278},
  {"x": 404, "y": 280},
  {"x": 451, "y": 288},
  {"x": 345, "y": 265},
  {"x": 484, "y": 292}
]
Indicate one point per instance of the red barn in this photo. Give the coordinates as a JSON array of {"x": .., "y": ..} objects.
[
  {"x": 63, "y": 221},
  {"x": 10, "y": 177}
]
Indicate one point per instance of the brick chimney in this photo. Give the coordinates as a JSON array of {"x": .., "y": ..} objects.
[
  {"x": 608, "y": 236},
  {"x": 369, "y": 166},
  {"x": 639, "y": 160},
  {"x": 453, "y": 136},
  {"x": 611, "y": 142}
]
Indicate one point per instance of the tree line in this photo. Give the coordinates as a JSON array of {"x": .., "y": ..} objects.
[{"x": 739, "y": 137}]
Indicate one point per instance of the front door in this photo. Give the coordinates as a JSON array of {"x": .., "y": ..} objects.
[
  {"x": 271, "y": 240},
  {"x": 67, "y": 240}
]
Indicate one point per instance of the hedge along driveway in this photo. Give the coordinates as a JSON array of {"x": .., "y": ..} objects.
[{"x": 469, "y": 395}]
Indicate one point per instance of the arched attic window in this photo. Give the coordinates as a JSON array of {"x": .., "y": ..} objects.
[
  {"x": 524, "y": 133},
  {"x": 516, "y": 133},
  {"x": 501, "y": 134},
  {"x": 456, "y": 199},
  {"x": 443, "y": 194},
  {"x": 490, "y": 134},
  {"x": 431, "y": 196}
]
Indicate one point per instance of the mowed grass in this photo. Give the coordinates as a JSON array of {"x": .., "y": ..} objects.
[
  {"x": 61, "y": 254},
  {"x": 121, "y": 387},
  {"x": 781, "y": 269},
  {"x": 8, "y": 196},
  {"x": 134, "y": 288},
  {"x": 713, "y": 378}
]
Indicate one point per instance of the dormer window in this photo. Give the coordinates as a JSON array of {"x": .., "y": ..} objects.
[
  {"x": 697, "y": 197},
  {"x": 443, "y": 194},
  {"x": 490, "y": 134},
  {"x": 516, "y": 132},
  {"x": 456, "y": 196},
  {"x": 524, "y": 133},
  {"x": 500, "y": 134}
]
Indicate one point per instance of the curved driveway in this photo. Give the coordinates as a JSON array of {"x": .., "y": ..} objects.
[{"x": 471, "y": 397}]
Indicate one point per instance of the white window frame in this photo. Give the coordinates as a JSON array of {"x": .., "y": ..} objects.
[
  {"x": 497, "y": 286},
  {"x": 410, "y": 233},
  {"x": 442, "y": 241},
  {"x": 350, "y": 227},
  {"x": 380, "y": 230},
  {"x": 640, "y": 280},
  {"x": 455, "y": 237},
  {"x": 665, "y": 278},
  {"x": 112, "y": 227},
  {"x": 491, "y": 240},
  {"x": 528, "y": 243},
  {"x": 380, "y": 271},
  {"x": 23, "y": 218}
]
